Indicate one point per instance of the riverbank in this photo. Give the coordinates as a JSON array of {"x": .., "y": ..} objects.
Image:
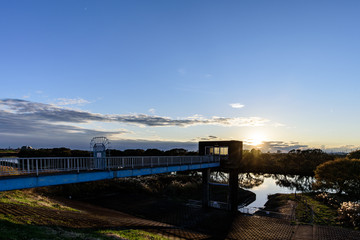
[{"x": 309, "y": 208}]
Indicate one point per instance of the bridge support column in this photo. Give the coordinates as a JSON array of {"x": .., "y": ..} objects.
[
  {"x": 205, "y": 186},
  {"x": 233, "y": 189}
]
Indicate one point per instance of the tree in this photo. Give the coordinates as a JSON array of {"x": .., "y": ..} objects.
[
  {"x": 153, "y": 152},
  {"x": 304, "y": 162},
  {"x": 342, "y": 175},
  {"x": 354, "y": 155}
]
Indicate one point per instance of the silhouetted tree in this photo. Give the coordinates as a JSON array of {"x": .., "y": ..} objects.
[
  {"x": 153, "y": 152},
  {"x": 342, "y": 175},
  {"x": 134, "y": 152},
  {"x": 176, "y": 152},
  {"x": 354, "y": 155}
]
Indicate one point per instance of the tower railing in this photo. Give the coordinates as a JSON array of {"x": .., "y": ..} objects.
[{"x": 48, "y": 165}]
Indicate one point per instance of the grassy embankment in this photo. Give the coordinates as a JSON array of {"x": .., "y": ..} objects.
[
  {"x": 308, "y": 210},
  {"x": 22, "y": 217}
]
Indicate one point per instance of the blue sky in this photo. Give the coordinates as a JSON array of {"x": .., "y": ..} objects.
[{"x": 170, "y": 73}]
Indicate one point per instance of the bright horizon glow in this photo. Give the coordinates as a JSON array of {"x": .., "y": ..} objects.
[{"x": 256, "y": 139}]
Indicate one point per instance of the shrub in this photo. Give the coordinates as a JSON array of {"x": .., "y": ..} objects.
[{"x": 350, "y": 212}]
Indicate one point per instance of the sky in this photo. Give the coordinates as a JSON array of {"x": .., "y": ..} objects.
[{"x": 278, "y": 75}]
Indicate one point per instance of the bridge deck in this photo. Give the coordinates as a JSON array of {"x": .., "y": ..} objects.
[{"x": 19, "y": 173}]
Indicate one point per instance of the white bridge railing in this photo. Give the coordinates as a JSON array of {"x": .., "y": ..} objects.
[{"x": 21, "y": 166}]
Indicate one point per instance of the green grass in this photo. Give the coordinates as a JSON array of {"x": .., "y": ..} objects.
[
  {"x": 11, "y": 229},
  {"x": 277, "y": 200},
  {"x": 29, "y": 198},
  {"x": 24, "y": 227},
  {"x": 323, "y": 214},
  {"x": 9, "y": 151},
  {"x": 132, "y": 234}
]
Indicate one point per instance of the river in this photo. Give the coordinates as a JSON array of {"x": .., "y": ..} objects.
[{"x": 267, "y": 184}]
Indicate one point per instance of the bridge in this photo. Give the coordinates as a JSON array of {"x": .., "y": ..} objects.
[{"x": 20, "y": 173}]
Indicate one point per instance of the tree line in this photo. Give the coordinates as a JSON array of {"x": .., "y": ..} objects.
[
  {"x": 66, "y": 152},
  {"x": 300, "y": 162}
]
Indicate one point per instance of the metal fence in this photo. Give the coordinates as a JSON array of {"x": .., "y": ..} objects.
[{"x": 21, "y": 166}]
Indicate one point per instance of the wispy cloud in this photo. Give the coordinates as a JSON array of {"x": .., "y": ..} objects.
[
  {"x": 34, "y": 111},
  {"x": 237, "y": 105},
  {"x": 207, "y": 138},
  {"x": 11, "y": 123},
  {"x": 282, "y": 146},
  {"x": 70, "y": 101},
  {"x": 152, "y": 110}
]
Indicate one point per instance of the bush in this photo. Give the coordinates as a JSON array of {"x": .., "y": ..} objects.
[{"x": 350, "y": 212}]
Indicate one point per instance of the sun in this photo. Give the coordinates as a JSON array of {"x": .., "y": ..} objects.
[{"x": 256, "y": 139}]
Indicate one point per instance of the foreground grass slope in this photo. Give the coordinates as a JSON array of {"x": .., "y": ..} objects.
[
  {"x": 308, "y": 209},
  {"x": 29, "y": 215}
]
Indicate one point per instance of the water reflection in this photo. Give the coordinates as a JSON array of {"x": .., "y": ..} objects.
[
  {"x": 219, "y": 177},
  {"x": 295, "y": 182},
  {"x": 250, "y": 180},
  {"x": 266, "y": 184}
]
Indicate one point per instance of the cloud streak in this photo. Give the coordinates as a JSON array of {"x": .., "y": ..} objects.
[
  {"x": 33, "y": 111},
  {"x": 71, "y": 101},
  {"x": 13, "y": 124},
  {"x": 278, "y": 145},
  {"x": 237, "y": 105}
]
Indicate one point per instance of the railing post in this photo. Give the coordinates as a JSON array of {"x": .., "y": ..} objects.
[
  {"x": 77, "y": 163},
  {"x": 37, "y": 169},
  {"x": 158, "y": 161},
  {"x": 142, "y": 161},
  {"x": 132, "y": 162},
  {"x": 28, "y": 165}
]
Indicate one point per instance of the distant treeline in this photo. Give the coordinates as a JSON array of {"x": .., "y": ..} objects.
[
  {"x": 51, "y": 152},
  {"x": 8, "y": 152},
  {"x": 66, "y": 152},
  {"x": 301, "y": 162},
  {"x": 152, "y": 152}
]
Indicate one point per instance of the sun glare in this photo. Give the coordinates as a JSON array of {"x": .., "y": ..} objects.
[{"x": 256, "y": 139}]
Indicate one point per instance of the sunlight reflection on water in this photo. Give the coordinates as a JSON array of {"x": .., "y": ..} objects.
[{"x": 268, "y": 187}]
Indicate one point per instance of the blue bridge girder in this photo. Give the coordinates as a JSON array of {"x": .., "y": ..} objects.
[{"x": 21, "y": 173}]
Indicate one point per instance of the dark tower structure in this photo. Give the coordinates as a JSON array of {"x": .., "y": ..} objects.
[{"x": 230, "y": 153}]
